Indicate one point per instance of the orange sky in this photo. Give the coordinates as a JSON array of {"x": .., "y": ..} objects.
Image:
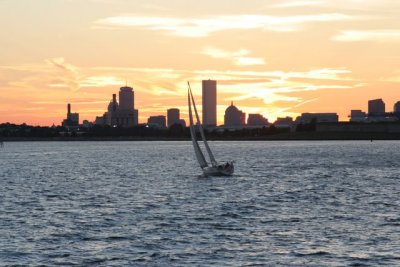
[{"x": 278, "y": 58}]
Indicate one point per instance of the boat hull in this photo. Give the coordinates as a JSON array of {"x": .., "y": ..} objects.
[{"x": 220, "y": 170}]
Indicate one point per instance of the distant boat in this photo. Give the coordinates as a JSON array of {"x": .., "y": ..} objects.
[{"x": 215, "y": 169}]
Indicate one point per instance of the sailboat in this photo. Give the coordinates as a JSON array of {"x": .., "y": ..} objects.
[{"x": 212, "y": 168}]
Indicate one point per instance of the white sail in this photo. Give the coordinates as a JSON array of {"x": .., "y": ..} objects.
[
  {"x": 210, "y": 154},
  {"x": 199, "y": 155}
]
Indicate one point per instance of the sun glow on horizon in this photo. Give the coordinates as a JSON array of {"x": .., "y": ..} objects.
[{"x": 278, "y": 59}]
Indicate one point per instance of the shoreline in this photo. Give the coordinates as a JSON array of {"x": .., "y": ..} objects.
[{"x": 299, "y": 136}]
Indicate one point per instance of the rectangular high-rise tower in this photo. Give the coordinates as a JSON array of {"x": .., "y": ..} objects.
[
  {"x": 376, "y": 107},
  {"x": 126, "y": 98},
  {"x": 173, "y": 116},
  {"x": 209, "y": 90}
]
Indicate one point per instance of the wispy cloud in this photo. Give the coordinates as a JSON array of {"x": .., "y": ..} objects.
[
  {"x": 272, "y": 90},
  {"x": 201, "y": 27},
  {"x": 69, "y": 75},
  {"x": 394, "y": 78},
  {"x": 238, "y": 58},
  {"x": 372, "y": 35},
  {"x": 290, "y": 4}
]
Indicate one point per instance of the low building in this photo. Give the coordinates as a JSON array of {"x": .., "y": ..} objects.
[
  {"x": 357, "y": 115},
  {"x": 72, "y": 119},
  {"x": 317, "y": 118},
  {"x": 99, "y": 120},
  {"x": 349, "y": 127},
  {"x": 173, "y": 116},
  {"x": 257, "y": 120},
  {"x": 157, "y": 121},
  {"x": 284, "y": 122},
  {"x": 182, "y": 123},
  {"x": 234, "y": 117},
  {"x": 396, "y": 108},
  {"x": 376, "y": 107}
]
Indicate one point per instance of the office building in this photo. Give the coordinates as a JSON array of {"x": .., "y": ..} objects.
[
  {"x": 284, "y": 122},
  {"x": 126, "y": 98},
  {"x": 357, "y": 115},
  {"x": 173, "y": 116},
  {"x": 157, "y": 121},
  {"x": 257, "y": 120},
  {"x": 123, "y": 113},
  {"x": 376, "y": 107},
  {"x": 234, "y": 117},
  {"x": 317, "y": 117},
  {"x": 209, "y": 97},
  {"x": 72, "y": 118},
  {"x": 396, "y": 108}
]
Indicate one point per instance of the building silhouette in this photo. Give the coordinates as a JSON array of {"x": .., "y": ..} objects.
[
  {"x": 284, "y": 122},
  {"x": 157, "y": 121},
  {"x": 376, "y": 107},
  {"x": 121, "y": 114},
  {"x": 72, "y": 118},
  {"x": 357, "y": 115},
  {"x": 234, "y": 117},
  {"x": 126, "y": 98},
  {"x": 396, "y": 108},
  {"x": 317, "y": 117},
  {"x": 173, "y": 116},
  {"x": 209, "y": 97},
  {"x": 257, "y": 120}
]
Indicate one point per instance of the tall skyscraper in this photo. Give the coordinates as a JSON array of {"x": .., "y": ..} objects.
[
  {"x": 209, "y": 97},
  {"x": 126, "y": 98},
  {"x": 172, "y": 116},
  {"x": 123, "y": 113},
  {"x": 376, "y": 107}
]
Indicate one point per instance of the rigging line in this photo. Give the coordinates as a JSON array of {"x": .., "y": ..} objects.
[
  {"x": 199, "y": 155},
  {"x": 210, "y": 154}
]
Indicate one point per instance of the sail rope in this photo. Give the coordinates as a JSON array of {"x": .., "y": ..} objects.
[{"x": 210, "y": 154}]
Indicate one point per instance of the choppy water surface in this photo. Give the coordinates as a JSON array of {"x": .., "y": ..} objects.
[{"x": 143, "y": 203}]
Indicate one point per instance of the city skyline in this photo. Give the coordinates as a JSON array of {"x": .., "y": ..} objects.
[{"x": 276, "y": 58}]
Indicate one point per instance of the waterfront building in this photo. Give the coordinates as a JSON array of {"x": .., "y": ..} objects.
[
  {"x": 376, "y": 107},
  {"x": 234, "y": 117},
  {"x": 396, "y": 108},
  {"x": 173, "y": 116},
  {"x": 182, "y": 122},
  {"x": 123, "y": 113},
  {"x": 257, "y": 120},
  {"x": 317, "y": 118},
  {"x": 99, "y": 120},
  {"x": 72, "y": 118},
  {"x": 126, "y": 98},
  {"x": 157, "y": 121},
  {"x": 209, "y": 103},
  {"x": 357, "y": 115},
  {"x": 284, "y": 121}
]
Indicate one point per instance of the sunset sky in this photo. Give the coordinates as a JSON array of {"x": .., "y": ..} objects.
[{"x": 277, "y": 58}]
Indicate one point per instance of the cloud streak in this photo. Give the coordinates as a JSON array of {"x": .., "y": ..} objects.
[
  {"x": 239, "y": 58},
  {"x": 201, "y": 27},
  {"x": 297, "y": 4},
  {"x": 372, "y": 35}
]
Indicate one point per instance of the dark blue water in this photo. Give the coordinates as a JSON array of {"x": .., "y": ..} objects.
[{"x": 144, "y": 204}]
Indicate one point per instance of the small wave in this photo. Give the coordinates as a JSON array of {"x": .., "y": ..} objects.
[{"x": 308, "y": 254}]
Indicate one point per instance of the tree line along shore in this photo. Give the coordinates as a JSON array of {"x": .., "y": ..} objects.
[{"x": 312, "y": 131}]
